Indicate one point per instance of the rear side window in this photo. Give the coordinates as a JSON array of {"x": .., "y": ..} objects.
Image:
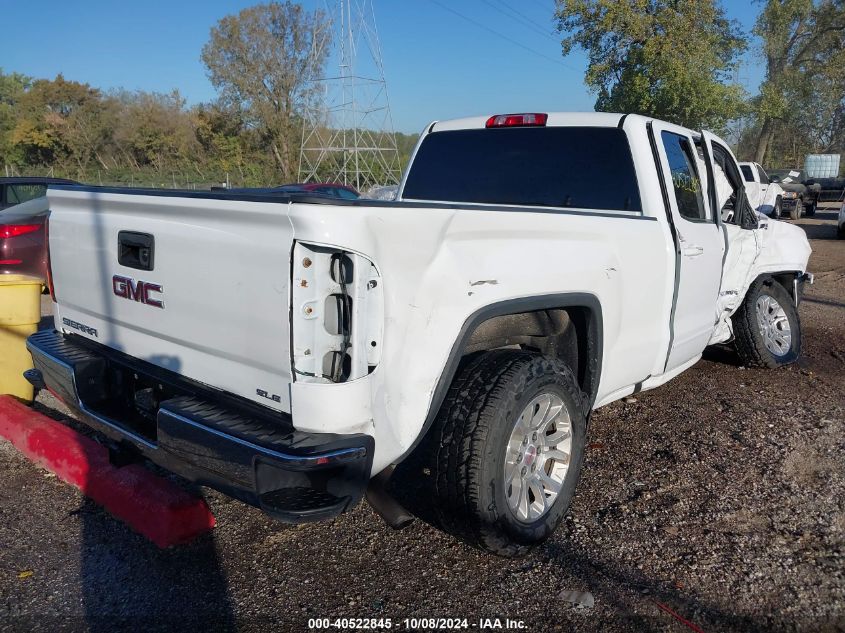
[
  {"x": 15, "y": 194},
  {"x": 747, "y": 173},
  {"x": 685, "y": 180},
  {"x": 581, "y": 167}
]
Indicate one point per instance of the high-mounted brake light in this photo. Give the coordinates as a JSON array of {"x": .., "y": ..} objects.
[
  {"x": 13, "y": 230},
  {"x": 535, "y": 119}
]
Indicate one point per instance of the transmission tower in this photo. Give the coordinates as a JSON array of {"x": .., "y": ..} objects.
[{"x": 348, "y": 134}]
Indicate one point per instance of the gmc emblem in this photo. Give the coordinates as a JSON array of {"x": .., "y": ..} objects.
[{"x": 128, "y": 288}]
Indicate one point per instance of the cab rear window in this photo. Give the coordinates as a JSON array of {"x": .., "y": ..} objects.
[{"x": 580, "y": 167}]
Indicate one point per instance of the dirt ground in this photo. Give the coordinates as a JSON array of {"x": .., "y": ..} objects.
[{"x": 719, "y": 497}]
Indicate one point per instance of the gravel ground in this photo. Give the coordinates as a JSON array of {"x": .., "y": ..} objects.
[{"x": 720, "y": 496}]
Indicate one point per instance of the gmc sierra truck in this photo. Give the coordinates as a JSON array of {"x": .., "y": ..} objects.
[{"x": 534, "y": 267}]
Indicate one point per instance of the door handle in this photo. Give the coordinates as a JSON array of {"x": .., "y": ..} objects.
[
  {"x": 693, "y": 251},
  {"x": 135, "y": 250}
]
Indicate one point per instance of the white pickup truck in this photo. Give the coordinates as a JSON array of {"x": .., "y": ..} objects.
[
  {"x": 534, "y": 268},
  {"x": 764, "y": 195}
]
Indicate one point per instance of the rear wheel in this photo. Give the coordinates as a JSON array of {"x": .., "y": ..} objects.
[
  {"x": 509, "y": 442},
  {"x": 767, "y": 327}
]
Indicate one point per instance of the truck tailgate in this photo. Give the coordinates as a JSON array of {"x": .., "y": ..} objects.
[{"x": 213, "y": 305}]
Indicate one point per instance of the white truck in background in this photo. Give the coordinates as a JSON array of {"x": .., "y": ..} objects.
[
  {"x": 534, "y": 268},
  {"x": 764, "y": 195}
]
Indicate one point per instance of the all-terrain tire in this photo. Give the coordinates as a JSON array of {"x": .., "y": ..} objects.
[
  {"x": 750, "y": 340},
  {"x": 795, "y": 211},
  {"x": 777, "y": 210},
  {"x": 468, "y": 448}
]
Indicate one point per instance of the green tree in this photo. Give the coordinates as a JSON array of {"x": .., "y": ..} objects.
[
  {"x": 12, "y": 88},
  {"x": 154, "y": 130},
  {"x": 232, "y": 147},
  {"x": 52, "y": 118},
  {"x": 803, "y": 44},
  {"x": 665, "y": 58},
  {"x": 263, "y": 62}
]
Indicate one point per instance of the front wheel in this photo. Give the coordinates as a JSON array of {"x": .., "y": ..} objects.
[
  {"x": 509, "y": 442},
  {"x": 810, "y": 209},
  {"x": 776, "y": 210},
  {"x": 795, "y": 211},
  {"x": 767, "y": 327}
]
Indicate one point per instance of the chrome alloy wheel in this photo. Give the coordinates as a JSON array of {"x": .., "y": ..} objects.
[
  {"x": 774, "y": 325},
  {"x": 537, "y": 457}
]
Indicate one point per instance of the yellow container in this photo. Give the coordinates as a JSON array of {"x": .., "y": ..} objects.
[{"x": 20, "y": 312}]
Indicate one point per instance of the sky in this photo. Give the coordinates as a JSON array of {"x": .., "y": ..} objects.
[{"x": 442, "y": 58}]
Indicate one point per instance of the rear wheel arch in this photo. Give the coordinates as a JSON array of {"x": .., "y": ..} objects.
[{"x": 582, "y": 310}]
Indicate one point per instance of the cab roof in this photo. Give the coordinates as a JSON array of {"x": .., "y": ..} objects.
[{"x": 555, "y": 119}]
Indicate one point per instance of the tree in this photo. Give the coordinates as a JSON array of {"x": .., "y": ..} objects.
[
  {"x": 57, "y": 121},
  {"x": 155, "y": 131},
  {"x": 803, "y": 44},
  {"x": 12, "y": 88},
  {"x": 263, "y": 62},
  {"x": 665, "y": 58}
]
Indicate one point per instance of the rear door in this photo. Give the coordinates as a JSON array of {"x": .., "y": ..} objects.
[{"x": 699, "y": 243}]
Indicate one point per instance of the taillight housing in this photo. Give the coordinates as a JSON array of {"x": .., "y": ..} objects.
[
  {"x": 49, "y": 267},
  {"x": 13, "y": 230},
  {"x": 526, "y": 119}
]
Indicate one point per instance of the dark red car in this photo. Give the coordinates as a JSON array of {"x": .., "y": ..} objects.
[
  {"x": 327, "y": 188},
  {"x": 23, "y": 245}
]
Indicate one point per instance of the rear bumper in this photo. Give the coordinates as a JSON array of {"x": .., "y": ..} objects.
[{"x": 203, "y": 435}]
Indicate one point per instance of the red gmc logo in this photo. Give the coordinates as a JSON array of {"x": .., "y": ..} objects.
[{"x": 127, "y": 288}]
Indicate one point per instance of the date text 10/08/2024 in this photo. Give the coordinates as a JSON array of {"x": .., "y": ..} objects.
[{"x": 415, "y": 624}]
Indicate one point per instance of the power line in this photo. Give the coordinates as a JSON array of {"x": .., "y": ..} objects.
[
  {"x": 512, "y": 15},
  {"x": 524, "y": 19},
  {"x": 501, "y": 35}
]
